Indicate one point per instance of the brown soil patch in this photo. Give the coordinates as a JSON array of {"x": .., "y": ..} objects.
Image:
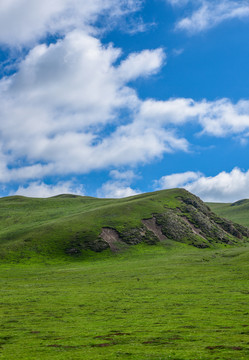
[
  {"x": 112, "y": 238},
  {"x": 155, "y": 342},
  {"x": 102, "y": 345},
  {"x": 107, "y": 338},
  {"x": 217, "y": 347},
  {"x": 66, "y": 346},
  {"x": 221, "y": 347},
  {"x": 151, "y": 225}
]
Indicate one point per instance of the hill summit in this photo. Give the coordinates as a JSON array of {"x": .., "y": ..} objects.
[{"x": 69, "y": 225}]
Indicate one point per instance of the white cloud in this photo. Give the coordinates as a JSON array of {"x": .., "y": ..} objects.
[
  {"x": 119, "y": 186},
  {"x": 177, "y": 180},
  {"x": 147, "y": 62},
  {"x": 137, "y": 142},
  {"x": 174, "y": 111},
  {"x": 41, "y": 190},
  {"x": 23, "y": 21},
  {"x": 222, "y": 117},
  {"x": 61, "y": 99},
  {"x": 64, "y": 95},
  {"x": 217, "y": 118},
  {"x": 128, "y": 175},
  {"x": 116, "y": 190},
  {"x": 211, "y": 13},
  {"x": 69, "y": 77},
  {"x": 224, "y": 187}
]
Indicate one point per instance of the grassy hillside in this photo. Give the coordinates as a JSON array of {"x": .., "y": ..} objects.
[
  {"x": 73, "y": 226},
  {"x": 237, "y": 212}
]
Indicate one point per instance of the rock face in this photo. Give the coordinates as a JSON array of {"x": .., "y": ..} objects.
[{"x": 192, "y": 223}]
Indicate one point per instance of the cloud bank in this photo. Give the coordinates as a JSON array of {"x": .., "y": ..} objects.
[
  {"x": 60, "y": 101},
  {"x": 26, "y": 21},
  {"x": 224, "y": 187},
  {"x": 71, "y": 106}
]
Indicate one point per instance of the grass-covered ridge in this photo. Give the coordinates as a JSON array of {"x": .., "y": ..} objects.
[
  {"x": 69, "y": 225},
  {"x": 237, "y": 211}
]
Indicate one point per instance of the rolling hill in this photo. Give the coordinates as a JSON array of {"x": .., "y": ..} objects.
[
  {"x": 74, "y": 226},
  {"x": 237, "y": 211}
]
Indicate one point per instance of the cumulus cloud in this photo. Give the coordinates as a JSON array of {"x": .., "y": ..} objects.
[
  {"x": 60, "y": 101},
  {"x": 64, "y": 95},
  {"x": 211, "y": 13},
  {"x": 224, "y": 187},
  {"x": 127, "y": 176},
  {"x": 172, "y": 111},
  {"x": 146, "y": 62},
  {"x": 42, "y": 190},
  {"x": 24, "y": 21},
  {"x": 222, "y": 117},
  {"x": 70, "y": 107},
  {"x": 217, "y": 118},
  {"x": 116, "y": 190},
  {"x": 119, "y": 185},
  {"x": 177, "y": 180}
]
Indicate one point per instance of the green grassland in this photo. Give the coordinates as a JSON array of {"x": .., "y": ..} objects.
[
  {"x": 166, "y": 301},
  {"x": 238, "y": 211}
]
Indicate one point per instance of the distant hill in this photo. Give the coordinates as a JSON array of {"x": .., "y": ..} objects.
[
  {"x": 71, "y": 226},
  {"x": 237, "y": 211}
]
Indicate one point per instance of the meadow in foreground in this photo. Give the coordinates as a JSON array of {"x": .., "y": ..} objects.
[{"x": 162, "y": 302}]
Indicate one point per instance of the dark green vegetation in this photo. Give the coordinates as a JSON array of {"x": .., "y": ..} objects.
[
  {"x": 238, "y": 211},
  {"x": 152, "y": 277},
  {"x": 70, "y": 226}
]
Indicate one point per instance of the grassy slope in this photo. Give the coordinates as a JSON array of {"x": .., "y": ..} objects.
[
  {"x": 237, "y": 212},
  {"x": 50, "y": 227}
]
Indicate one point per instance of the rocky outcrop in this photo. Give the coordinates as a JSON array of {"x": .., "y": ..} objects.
[
  {"x": 152, "y": 226},
  {"x": 192, "y": 223}
]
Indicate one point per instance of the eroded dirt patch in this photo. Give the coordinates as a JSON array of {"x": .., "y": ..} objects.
[
  {"x": 102, "y": 345},
  {"x": 112, "y": 238},
  {"x": 151, "y": 225},
  {"x": 156, "y": 341}
]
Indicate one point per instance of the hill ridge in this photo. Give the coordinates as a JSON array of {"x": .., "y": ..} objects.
[{"x": 68, "y": 225}]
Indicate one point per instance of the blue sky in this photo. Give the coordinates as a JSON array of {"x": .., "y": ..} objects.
[{"x": 112, "y": 98}]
